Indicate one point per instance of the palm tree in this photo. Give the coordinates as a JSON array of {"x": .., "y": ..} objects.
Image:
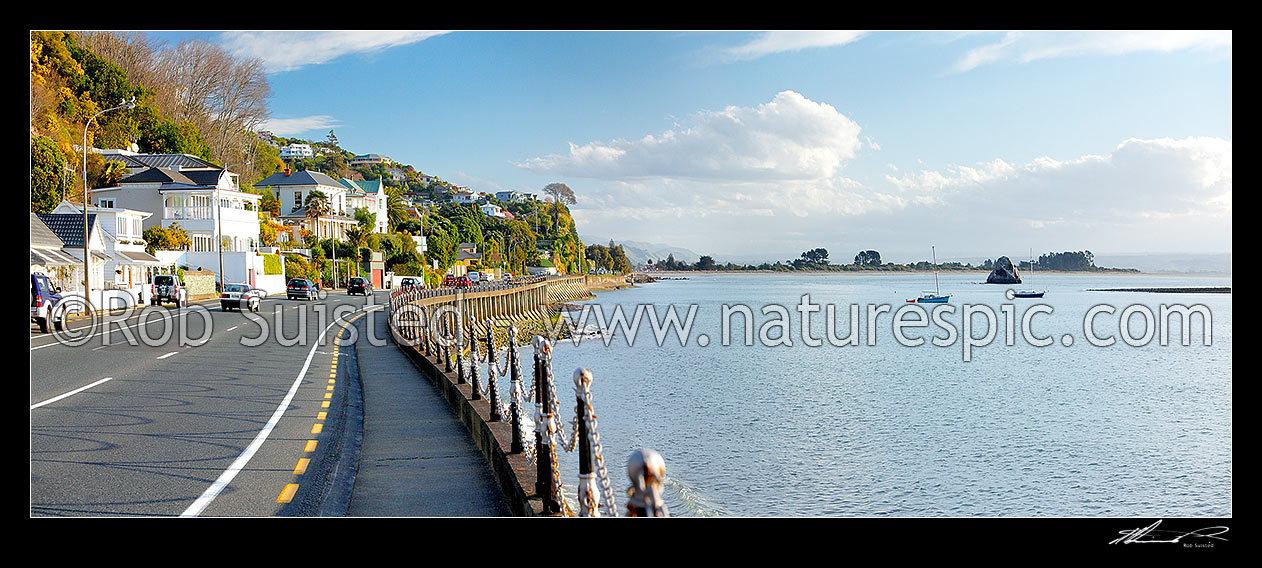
[
  {"x": 316, "y": 206},
  {"x": 396, "y": 211},
  {"x": 356, "y": 236}
]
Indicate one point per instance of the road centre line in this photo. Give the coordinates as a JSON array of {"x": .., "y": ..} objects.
[
  {"x": 237, "y": 466},
  {"x": 73, "y": 392}
]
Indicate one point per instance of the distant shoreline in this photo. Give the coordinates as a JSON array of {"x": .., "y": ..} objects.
[{"x": 678, "y": 273}]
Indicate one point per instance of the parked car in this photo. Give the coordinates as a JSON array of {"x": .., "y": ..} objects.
[
  {"x": 463, "y": 282},
  {"x": 358, "y": 285},
  {"x": 301, "y": 288},
  {"x": 165, "y": 288},
  {"x": 409, "y": 283},
  {"x": 474, "y": 277},
  {"x": 449, "y": 280},
  {"x": 44, "y": 298},
  {"x": 240, "y": 296}
]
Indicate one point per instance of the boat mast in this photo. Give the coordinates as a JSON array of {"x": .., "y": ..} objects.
[{"x": 936, "y": 291}]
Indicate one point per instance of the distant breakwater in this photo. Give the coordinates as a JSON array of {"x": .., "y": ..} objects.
[{"x": 1192, "y": 290}]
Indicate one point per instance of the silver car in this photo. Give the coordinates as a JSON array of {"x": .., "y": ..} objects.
[{"x": 240, "y": 296}]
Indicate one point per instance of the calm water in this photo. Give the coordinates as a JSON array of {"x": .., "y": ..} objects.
[{"x": 892, "y": 430}]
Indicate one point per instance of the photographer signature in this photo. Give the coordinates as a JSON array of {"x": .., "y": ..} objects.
[{"x": 1148, "y": 534}]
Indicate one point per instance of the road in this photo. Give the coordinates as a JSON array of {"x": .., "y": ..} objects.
[{"x": 196, "y": 411}]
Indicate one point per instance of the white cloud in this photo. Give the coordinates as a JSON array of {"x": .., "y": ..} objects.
[
  {"x": 290, "y": 50},
  {"x": 300, "y": 125},
  {"x": 1024, "y": 47},
  {"x": 790, "y": 40},
  {"x": 1158, "y": 195},
  {"x": 789, "y": 138}
]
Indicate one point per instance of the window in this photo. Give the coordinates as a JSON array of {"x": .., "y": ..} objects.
[{"x": 297, "y": 200}]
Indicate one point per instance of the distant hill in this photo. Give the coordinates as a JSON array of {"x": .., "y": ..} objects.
[
  {"x": 639, "y": 252},
  {"x": 1178, "y": 263}
]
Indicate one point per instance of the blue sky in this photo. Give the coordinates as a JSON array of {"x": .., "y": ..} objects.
[{"x": 755, "y": 146}]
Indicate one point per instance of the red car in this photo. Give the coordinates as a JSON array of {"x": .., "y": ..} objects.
[
  {"x": 463, "y": 282},
  {"x": 449, "y": 280}
]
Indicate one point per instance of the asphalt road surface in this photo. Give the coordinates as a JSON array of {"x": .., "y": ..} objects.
[{"x": 196, "y": 411}]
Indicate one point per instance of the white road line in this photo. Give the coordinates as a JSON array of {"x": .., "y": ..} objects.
[
  {"x": 232, "y": 328},
  {"x": 109, "y": 329},
  {"x": 167, "y": 355},
  {"x": 231, "y": 473},
  {"x": 73, "y": 392}
]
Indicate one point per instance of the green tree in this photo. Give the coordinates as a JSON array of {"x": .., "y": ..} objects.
[
  {"x": 868, "y": 258},
  {"x": 561, "y": 194},
  {"x": 316, "y": 206},
  {"x": 357, "y": 237},
  {"x": 48, "y": 174}
]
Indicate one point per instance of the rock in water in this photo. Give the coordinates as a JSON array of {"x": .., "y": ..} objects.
[{"x": 1004, "y": 273}]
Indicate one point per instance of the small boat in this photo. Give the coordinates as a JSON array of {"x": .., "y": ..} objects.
[
  {"x": 931, "y": 298},
  {"x": 936, "y": 296},
  {"x": 1029, "y": 293}
]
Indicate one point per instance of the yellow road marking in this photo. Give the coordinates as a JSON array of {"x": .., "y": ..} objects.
[
  {"x": 315, "y": 429},
  {"x": 288, "y": 494},
  {"x": 301, "y": 468},
  {"x": 324, "y": 404},
  {"x": 311, "y": 446},
  {"x": 331, "y": 381},
  {"x": 330, "y": 387},
  {"x": 321, "y": 415},
  {"x": 328, "y": 395}
]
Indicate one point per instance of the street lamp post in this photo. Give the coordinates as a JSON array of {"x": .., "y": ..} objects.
[{"x": 87, "y": 260}]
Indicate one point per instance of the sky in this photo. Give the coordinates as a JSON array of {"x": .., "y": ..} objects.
[{"x": 756, "y": 146}]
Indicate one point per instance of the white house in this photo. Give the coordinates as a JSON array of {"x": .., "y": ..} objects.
[
  {"x": 293, "y": 189},
  {"x": 205, "y": 203},
  {"x": 366, "y": 159},
  {"x": 370, "y": 195},
  {"x": 296, "y": 151},
  {"x": 493, "y": 210},
  {"x": 202, "y": 199},
  {"x": 129, "y": 266}
]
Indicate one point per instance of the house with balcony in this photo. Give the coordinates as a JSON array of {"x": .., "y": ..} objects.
[
  {"x": 370, "y": 195},
  {"x": 367, "y": 159},
  {"x": 205, "y": 203},
  {"x": 221, "y": 220},
  {"x": 293, "y": 189},
  {"x": 296, "y": 152},
  {"x": 129, "y": 267}
]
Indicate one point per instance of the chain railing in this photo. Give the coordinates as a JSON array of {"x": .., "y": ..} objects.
[{"x": 430, "y": 332}]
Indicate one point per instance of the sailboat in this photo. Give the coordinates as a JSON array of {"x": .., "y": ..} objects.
[
  {"x": 1029, "y": 293},
  {"x": 936, "y": 296}
]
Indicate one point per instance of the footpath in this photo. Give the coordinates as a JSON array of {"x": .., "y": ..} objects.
[{"x": 416, "y": 457}]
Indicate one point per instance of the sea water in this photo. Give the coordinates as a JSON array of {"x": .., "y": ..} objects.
[{"x": 873, "y": 425}]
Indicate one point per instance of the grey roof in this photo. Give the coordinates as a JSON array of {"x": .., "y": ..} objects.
[
  {"x": 304, "y": 177},
  {"x": 139, "y": 256},
  {"x": 52, "y": 257},
  {"x": 160, "y": 161},
  {"x": 42, "y": 237},
  {"x": 68, "y": 226},
  {"x": 158, "y": 175}
]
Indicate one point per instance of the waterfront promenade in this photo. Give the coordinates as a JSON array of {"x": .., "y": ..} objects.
[
  {"x": 416, "y": 458},
  {"x": 428, "y": 447}
]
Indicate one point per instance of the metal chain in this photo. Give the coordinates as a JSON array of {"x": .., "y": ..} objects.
[{"x": 598, "y": 454}]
